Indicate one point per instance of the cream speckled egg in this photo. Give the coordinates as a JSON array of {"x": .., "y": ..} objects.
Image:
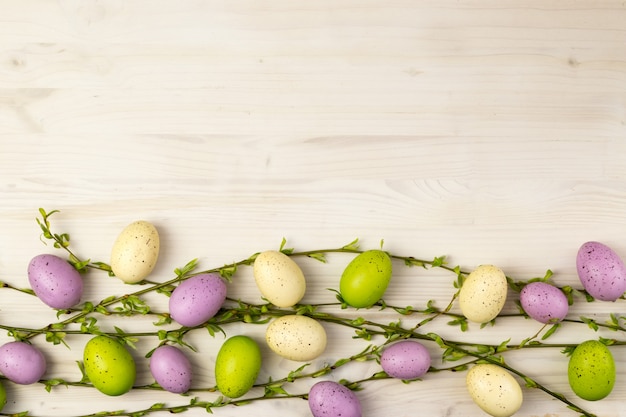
[
  {"x": 483, "y": 294},
  {"x": 494, "y": 390},
  {"x": 279, "y": 278},
  {"x": 295, "y": 337},
  {"x": 135, "y": 252}
]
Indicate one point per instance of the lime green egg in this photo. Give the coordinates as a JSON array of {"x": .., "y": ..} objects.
[
  {"x": 3, "y": 396},
  {"x": 109, "y": 366},
  {"x": 237, "y": 366},
  {"x": 365, "y": 279},
  {"x": 591, "y": 370}
]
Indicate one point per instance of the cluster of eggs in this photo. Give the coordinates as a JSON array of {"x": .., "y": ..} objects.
[
  {"x": 301, "y": 338},
  {"x": 111, "y": 368},
  {"x": 591, "y": 368}
]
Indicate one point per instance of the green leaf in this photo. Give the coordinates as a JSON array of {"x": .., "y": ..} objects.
[
  {"x": 318, "y": 256},
  {"x": 502, "y": 347},
  {"x": 352, "y": 246},
  {"x": 590, "y": 323},
  {"x": 438, "y": 261},
  {"x": 530, "y": 383},
  {"x": 550, "y": 331},
  {"x": 286, "y": 251},
  {"x": 187, "y": 269}
]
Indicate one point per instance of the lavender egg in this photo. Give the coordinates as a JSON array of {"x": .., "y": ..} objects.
[
  {"x": 601, "y": 271},
  {"x": 55, "y": 282},
  {"x": 197, "y": 299},
  {"x": 22, "y": 363},
  {"x": 329, "y": 399},
  {"x": 171, "y": 369},
  {"x": 407, "y": 359},
  {"x": 544, "y": 302}
]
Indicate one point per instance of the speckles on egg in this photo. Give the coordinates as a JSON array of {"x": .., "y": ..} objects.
[
  {"x": 171, "y": 369},
  {"x": 483, "y": 294},
  {"x": 601, "y": 271},
  {"x": 55, "y": 282},
  {"x": 197, "y": 299},
  {"x": 237, "y": 366},
  {"x": 407, "y": 359},
  {"x": 109, "y": 366},
  {"x": 591, "y": 370},
  {"x": 296, "y": 337},
  {"x": 494, "y": 390},
  {"x": 22, "y": 363},
  {"x": 279, "y": 279},
  {"x": 331, "y": 399},
  {"x": 135, "y": 252},
  {"x": 366, "y": 278},
  {"x": 544, "y": 302}
]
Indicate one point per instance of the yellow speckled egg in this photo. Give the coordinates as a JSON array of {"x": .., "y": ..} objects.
[
  {"x": 295, "y": 337},
  {"x": 494, "y": 390},
  {"x": 135, "y": 252},
  {"x": 279, "y": 278},
  {"x": 483, "y": 294}
]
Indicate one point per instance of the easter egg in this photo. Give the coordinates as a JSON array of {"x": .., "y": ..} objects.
[
  {"x": 237, "y": 365},
  {"x": 329, "y": 398},
  {"x": 407, "y": 359},
  {"x": 109, "y": 366},
  {"x": 544, "y": 302},
  {"x": 296, "y": 337},
  {"x": 22, "y": 362},
  {"x": 591, "y": 370},
  {"x": 135, "y": 252},
  {"x": 279, "y": 279},
  {"x": 197, "y": 299},
  {"x": 494, "y": 390},
  {"x": 483, "y": 294},
  {"x": 365, "y": 279},
  {"x": 3, "y": 396},
  {"x": 601, "y": 271},
  {"x": 171, "y": 369},
  {"x": 55, "y": 282}
]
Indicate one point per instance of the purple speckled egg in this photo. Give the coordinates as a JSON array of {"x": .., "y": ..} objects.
[
  {"x": 407, "y": 359},
  {"x": 22, "y": 363},
  {"x": 544, "y": 302},
  {"x": 171, "y": 369},
  {"x": 601, "y": 271},
  {"x": 197, "y": 299},
  {"x": 331, "y": 399},
  {"x": 57, "y": 283}
]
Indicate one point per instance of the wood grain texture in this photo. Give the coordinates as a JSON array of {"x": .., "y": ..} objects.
[{"x": 485, "y": 131}]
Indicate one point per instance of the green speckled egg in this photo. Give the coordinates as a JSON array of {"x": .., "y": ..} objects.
[
  {"x": 591, "y": 370},
  {"x": 237, "y": 365},
  {"x": 3, "y": 396},
  {"x": 365, "y": 279},
  {"x": 109, "y": 366}
]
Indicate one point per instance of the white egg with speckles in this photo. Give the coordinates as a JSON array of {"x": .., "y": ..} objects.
[
  {"x": 296, "y": 337},
  {"x": 135, "y": 252},
  {"x": 279, "y": 278},
  {"x": 494, "y": 390},
  {"x": 483, "y": 294}
]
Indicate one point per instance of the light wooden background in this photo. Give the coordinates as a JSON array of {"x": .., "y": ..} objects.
[{"x": 487, "y": 131}]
